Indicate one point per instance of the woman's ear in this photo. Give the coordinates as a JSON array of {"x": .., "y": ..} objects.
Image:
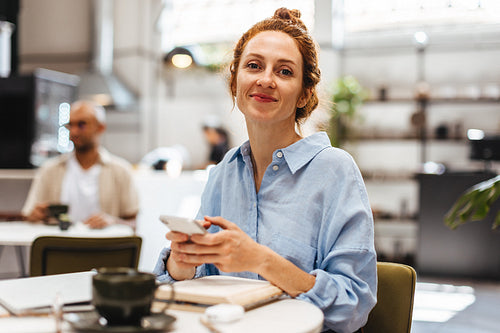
[{"x": 304, "y": 98}]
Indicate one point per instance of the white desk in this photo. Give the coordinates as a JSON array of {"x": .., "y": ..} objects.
[
  {"x": 24, "y": 233},
  {"x": 288, "y": 315},
  {"x": 20, "y": 234},
  {"x": 284, "y": 315}
]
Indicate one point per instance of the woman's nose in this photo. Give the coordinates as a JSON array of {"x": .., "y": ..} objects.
[{"x": 266, "y": 80}]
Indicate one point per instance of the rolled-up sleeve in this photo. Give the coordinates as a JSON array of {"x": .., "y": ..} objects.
[
  {"x": 162, "y": 274},
  {"x": 345, "y": 292}
]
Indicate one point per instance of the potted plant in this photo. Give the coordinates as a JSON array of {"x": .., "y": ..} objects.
[
  {"x": 474, "y": 204},
  {"x": 347, "y": 96}
]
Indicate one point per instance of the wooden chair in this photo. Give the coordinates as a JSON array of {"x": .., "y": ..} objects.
[
  {"x": 58, "y": 255},
  {"x": 395, "y": 295}
]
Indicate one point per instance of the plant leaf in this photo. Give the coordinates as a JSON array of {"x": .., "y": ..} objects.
[
  {"x": 474, "y": 204},
  {"x": 496, "y": 224}
]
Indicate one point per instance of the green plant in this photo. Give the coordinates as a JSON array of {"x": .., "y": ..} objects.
[
  {"x": 347, "y": 96},
  {"x": 474, "y": 204}
]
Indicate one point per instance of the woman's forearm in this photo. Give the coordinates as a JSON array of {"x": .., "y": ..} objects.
[
  {"x": 284, "y": 274},
  {"x": 179, "y": 273}
]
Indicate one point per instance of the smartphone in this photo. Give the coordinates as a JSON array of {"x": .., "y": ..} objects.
[{"x": 182, "y": 224}]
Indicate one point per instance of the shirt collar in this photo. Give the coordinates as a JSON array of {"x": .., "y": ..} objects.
[
  {"x": 296, "y": 155},
  {"x": 303, "y": 151}
]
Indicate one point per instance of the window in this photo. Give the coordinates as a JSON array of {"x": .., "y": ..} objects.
[{"x": 191, "y": 22}]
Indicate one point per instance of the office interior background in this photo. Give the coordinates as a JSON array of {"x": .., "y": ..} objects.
[{"x": 429, "y": 72}]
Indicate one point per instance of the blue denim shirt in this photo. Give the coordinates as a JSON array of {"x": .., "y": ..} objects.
[{"x": 312, "y": 208}]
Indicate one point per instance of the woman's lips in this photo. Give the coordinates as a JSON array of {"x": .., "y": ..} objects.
[{"x": 263, "y": 98}]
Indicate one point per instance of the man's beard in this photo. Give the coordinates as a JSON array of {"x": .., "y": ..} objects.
[{"x": 83, "y": 148}]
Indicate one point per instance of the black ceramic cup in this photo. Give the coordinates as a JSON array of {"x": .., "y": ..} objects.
[
  {"x": 123, "y": 295},
  {"x": 54, "y": 210}
]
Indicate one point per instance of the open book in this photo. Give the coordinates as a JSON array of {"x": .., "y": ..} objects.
[{"x": 197, "y": 294}]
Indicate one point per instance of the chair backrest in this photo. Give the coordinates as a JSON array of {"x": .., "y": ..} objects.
[
  {"x": 58, "y": 255},
  {"x": 395, "y": 295}
]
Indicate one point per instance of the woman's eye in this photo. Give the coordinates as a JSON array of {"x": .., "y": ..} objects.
[
  {"x": 286, "y": 72},
  {"x": 252, "y": 65}
]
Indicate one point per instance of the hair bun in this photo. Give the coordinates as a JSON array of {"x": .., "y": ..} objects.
[
  {"x": 291, "y": 15},
  {"x": 287, "y": 14}
]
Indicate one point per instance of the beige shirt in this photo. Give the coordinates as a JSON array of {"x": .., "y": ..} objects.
[{"x": 117, "y": 191}]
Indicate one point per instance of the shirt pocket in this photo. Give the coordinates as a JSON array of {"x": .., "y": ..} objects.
[{"x": 301, "y": 254}]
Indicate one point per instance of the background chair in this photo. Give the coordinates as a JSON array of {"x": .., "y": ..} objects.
[
  {"x": 396, "y": 291},
  {"x": 57, "y": 255}
]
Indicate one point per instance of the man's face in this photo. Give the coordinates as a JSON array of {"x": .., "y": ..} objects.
[{"x": 84, "y": 129}]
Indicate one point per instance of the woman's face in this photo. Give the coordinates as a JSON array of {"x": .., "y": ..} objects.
[{"x": 269, "y": 79}]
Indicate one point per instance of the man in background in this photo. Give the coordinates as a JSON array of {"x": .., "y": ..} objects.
[{"x": 97, "y": 186}]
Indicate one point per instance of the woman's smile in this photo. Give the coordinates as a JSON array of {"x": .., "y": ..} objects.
[{"x": 263, "y": 98}]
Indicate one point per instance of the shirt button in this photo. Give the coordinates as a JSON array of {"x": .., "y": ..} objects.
[
  {"x": 275, "y": 167},
  {"x": 279, "y": 154}
]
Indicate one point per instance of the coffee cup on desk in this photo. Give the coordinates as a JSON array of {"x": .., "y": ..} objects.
[
  {"x": 54, "y": 211},
  {"x": 123, "y": 296},
  {"x": 58, "y": 214}
]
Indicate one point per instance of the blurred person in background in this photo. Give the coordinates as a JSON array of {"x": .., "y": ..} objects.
[
  {"x": 217, "y": 138},
  {"x": 289, "y": 209},
  {"x": 97, "y": 186}
]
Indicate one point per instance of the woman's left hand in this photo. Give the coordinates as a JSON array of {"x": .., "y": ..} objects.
[{"x": 230, "y": 250}]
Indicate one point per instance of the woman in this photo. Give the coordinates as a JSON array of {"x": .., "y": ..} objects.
[{"x": 291, "y": 210}]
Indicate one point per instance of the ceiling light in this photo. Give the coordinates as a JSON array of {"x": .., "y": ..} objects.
[
  {"x": 179, "y": 57},
  {"x": 182, "y": 60}
]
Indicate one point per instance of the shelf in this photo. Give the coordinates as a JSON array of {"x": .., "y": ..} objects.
[
  {"x": 17, "y": 173},
  {"x": 437, "y": 100},
  {"x": 403, "y": 137},
  {"x": 381, "y": 175}
]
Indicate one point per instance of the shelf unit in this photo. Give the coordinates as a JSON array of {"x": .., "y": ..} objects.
[{"x": 387, "y": 148}]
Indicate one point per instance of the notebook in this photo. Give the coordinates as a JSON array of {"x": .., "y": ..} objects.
[
  {"x": 197, "y": 294},
  {"x": 39, "y": 293}
]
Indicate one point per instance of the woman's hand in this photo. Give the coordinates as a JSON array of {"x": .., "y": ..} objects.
[
  {"x": 176, "y": 265},
  {"x": 230, "y": 250}
]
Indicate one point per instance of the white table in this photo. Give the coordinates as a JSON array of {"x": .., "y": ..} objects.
[
  {"x": 21, "y": 234},
  {"x": 287, "y": 315},
  {"x": 284, "y": 315}
]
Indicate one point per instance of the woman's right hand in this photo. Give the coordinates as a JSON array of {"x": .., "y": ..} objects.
[{"x": 176, "y": 267}]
